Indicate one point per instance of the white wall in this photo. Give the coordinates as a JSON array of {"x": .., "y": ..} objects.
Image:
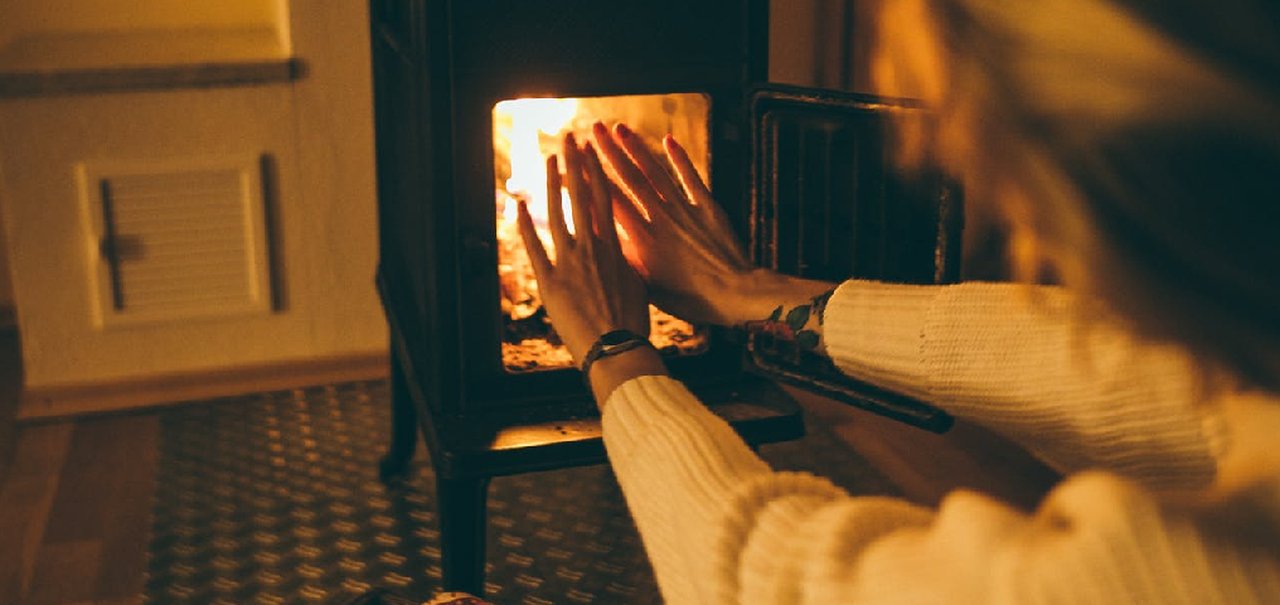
[
  {"x": 30, "y": 16},
  {"x": 809, "y": 42},
  {"x": 24, "y": 18},
  {"x": 334, "y": 121},
  {"x": 6, "y": 26},
  {"x": 320, "y": 132}
]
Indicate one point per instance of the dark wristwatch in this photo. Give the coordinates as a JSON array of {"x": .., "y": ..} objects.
[{"x": 609, "y": 344}]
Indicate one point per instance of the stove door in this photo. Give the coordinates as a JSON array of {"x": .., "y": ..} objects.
[{"x": 828, "y": 203}]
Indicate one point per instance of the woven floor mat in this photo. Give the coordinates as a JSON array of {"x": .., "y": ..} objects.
[{"x": 274, "y": 498}]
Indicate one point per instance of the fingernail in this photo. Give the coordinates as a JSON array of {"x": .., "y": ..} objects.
[{"x": 622, "y": 130}]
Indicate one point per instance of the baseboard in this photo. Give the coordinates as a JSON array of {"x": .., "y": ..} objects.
[{"x": 43, "y": 403}]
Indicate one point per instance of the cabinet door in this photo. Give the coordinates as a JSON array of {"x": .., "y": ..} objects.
[{"x": 829, "y": 203}]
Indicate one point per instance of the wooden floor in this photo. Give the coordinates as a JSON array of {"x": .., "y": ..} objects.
[
  {"x": 75, "y": 506},
  {"x": 75, "y": 502},
  {"x": 926, "y": 466}
]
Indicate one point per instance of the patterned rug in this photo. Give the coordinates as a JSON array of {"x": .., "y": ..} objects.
[{"x": 274, "y": 498}]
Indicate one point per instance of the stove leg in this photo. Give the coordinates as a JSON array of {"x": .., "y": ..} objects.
[
  {"x": 404, "y": 428},
  {"x": 462, "y": 532}
]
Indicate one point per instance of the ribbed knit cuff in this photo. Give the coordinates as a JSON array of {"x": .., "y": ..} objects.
[
  {"x": 658, "y": 407},
  {"x": 874, "y": 331},
  {"x": 646, "y": 400}
]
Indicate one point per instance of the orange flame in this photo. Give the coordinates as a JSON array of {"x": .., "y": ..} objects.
[{"x": 530, "y": 130}]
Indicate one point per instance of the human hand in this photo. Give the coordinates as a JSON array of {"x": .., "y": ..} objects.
[
  {"x": 590, "y": 289},
  {"x": 686, "y": 249}
]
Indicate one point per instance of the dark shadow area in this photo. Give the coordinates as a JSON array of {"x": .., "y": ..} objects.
[{"x": 10, "y": 392}]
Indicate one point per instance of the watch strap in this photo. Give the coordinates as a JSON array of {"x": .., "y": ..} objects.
[{"x": 609, "y": 344}]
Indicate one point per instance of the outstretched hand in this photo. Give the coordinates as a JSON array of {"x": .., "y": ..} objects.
[
  {"x": 679, "y": 238},
  {"x": 590, "y": 289},
  {"x": 681, "y": 241}
]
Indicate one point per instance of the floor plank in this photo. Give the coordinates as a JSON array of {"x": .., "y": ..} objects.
[
  {"x": 26, "y": 498},
  {"x": 66, "y": 572},
  {"x": 926, "y": 466},
  {"x": 104, "y": 499},
  {"x": 124, "y": 541},
  {"x": 91, "y": 470}
]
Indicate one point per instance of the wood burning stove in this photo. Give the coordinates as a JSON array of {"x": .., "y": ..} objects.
[{"x": 802, "y": 174}]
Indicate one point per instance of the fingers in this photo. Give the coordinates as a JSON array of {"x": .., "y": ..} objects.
[
  {"x": 676, "y": 204},
  {"x": 602, "y": 206},
  {"x": 713, "y": 216},
  {"x": 683, "y": 211},
  {"x": 648, "y": 164},
  {"x": 626, "y": 212},
  {"x": 555, "y": 211},
  {"x": 633, "y": 181},
  {"x": 638, "y": 239},
  {"x": 579, "y": 193},
  {"x": 688, "y": 175},
  {"x": 537, "y": 252}
]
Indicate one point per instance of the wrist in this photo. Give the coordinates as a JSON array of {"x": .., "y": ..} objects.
[
  {"x": 588, "y": 334},
  {"x": 610, "y": 343},
  {"x": 757, "y": 293},
  {"x": 608, "y": 373}
]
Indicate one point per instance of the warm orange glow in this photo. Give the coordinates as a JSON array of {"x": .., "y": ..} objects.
[
  {"x": 525, "y": 133},
  {"x": 531, "y": 130}
]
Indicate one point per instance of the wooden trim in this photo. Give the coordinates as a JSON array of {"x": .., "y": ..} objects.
[
  {"x": 60, "y": 401},
  {"x": 14, "y": 84},
  {"x": 68, "y": 63}
]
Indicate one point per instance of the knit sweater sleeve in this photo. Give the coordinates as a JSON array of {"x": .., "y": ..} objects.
[
  {"x": 1016, "y": 359},
  {"x": 720, "y": 527}
]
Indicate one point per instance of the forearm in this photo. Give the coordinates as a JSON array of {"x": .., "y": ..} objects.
[
  {"x": 679, "y": 466},
  {"x": 755, "y": 295},
  {"x": 782, "y": 308},
  {"x": 719, "y": 526},
  {"x": 1018, "y": 359}
]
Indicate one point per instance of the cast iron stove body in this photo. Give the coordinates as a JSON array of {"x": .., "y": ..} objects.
[{"x": 803, "y": 175}]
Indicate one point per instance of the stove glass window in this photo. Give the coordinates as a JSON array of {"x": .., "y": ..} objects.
[{"x": 526, "y": 131}]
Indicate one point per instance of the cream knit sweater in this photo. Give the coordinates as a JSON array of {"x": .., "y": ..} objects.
[{"x": 721, "y": 527}]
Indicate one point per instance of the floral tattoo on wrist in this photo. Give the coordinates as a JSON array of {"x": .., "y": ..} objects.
[{"x": 800, "y": 324}]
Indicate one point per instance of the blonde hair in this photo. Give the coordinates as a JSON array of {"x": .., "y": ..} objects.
[{"x": 1142, "y": 165}]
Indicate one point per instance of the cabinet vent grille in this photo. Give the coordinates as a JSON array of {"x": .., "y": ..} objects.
[{"x": 179, "y": 241}]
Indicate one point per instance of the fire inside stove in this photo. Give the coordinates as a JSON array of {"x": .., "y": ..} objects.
[{"x": 526, "y": 131}]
